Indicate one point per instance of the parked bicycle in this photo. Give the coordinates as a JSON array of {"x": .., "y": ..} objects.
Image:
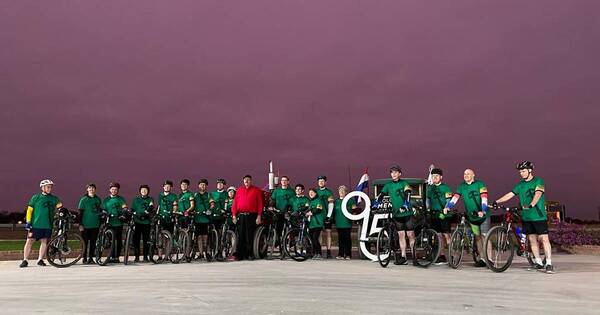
[
  {"x": 428, "y": 243},
  {"x": 296, "y": 242},
  {"x": 106, "y": 239},
  {"x": 160, "y": 241},
  {"x": 265, "y": 237},
  {"x": 64, "y": 249},
  {"x": 387, "y": 246},
  {"x": 227, "y": 240},
  {"x": 180, "y": 239},
  {"x": 462, "y": 240}
]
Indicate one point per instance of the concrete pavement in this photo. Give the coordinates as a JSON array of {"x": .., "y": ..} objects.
[{"x": 281, "y": 287}]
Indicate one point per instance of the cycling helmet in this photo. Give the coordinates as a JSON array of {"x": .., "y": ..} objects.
[
  {"x": 437, "y": 171},
  {"x": 46, "y": 182},
  {"x": 231, "y": 188},
  {"x": 395, "y": 168},
  {"x": 222, "y": 181},
  {"x": 323, "y": 177},
  {"x": 525, "y": 165}
]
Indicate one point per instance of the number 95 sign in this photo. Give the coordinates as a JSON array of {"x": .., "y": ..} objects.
[{"x": 365, "y": 232}]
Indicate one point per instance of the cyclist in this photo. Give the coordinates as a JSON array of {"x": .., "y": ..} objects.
[
  {"x": 531, "y": 193},
  {"x": 228, "y": 204},
  {"x": 317, "y": 217},
  {"x": 438, "y": 196},
  {"x": 89, "y": 207},
  {"x": 166, "y": 199},
  {"x": 327, "y": 196},
  {"x": 281, "y": 201},
  {"x": 142, "y": 206},
  {"x": 475, "y": 200},
  {"x": 201, "y": 220},
  {"x": 39, "y": 220},
  {"x": 217, "y": 203},
  {"x": 342, "y": 224},
  {"x": 399, "y": 192},
  {"x": 300, "y": 202},
  {"x": 115, "y": 205}
]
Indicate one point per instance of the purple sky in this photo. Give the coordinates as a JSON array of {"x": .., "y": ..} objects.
[{"x": 140, "y": 91}]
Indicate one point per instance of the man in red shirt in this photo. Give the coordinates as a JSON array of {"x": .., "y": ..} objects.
[{"x": 247, "y": 208}]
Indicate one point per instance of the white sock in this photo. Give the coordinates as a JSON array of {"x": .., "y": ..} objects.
[
  {"x": 538, "y": 261},
  {"x": 548, "y": 261}
]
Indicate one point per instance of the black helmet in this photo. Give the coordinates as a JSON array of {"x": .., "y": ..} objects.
[
  {"x": 323, "y": 177},
  {"x": 395, "y": 168},
  {"x": 525, "y": 165},
  {"x": 168, "y": 182},
  {"x": 437, "y": 171},
  {"x": 222, "y": 181}
]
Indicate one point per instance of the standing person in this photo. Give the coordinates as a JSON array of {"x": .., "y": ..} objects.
[
  {"x": 166, "y": 199},
  {"x": 300, "y": 202},
  {"x": 217, "y": 203},
  {"x": 399, "y": 192},
  {"x": 89, "y": 209},
  {"x": 201, "y": 220},
  {"x": 247, "y": 207},
  {"x": 281, "y": 202},
  {"x": 38, "y": 220},
  {"x": 327, "y": 196},
  {"x": 317, "y": 216},
  {"x": 438, "y": 196},
  {"x": 531, "y": 192},
  {"x": 142, "y": 206},
  {"x": 228, "y": 204},
  {"x": 343, "y": 224},
  {"x": 475, "y": 200},
  {"x": 115, "y": 205}
]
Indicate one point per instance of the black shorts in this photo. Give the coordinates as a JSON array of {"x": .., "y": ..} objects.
[
  {"x": 442, "y": 225},
  {"x": 201, "y": 228},
  {"x": 39, "y": 234},
  {"x": 535, "y": 227},
  {"x": 405, "y": 223},
  {"x": 328, "y": 225}
]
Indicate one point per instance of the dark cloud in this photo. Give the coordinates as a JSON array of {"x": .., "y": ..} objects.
[{"x": 139, "y": 92}]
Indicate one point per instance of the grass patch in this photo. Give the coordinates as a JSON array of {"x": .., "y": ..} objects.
[{"x": 13, "y": 245}]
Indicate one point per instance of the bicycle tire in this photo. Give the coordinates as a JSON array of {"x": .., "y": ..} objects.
[
  {"x": 271, "y": 242},
  {"x": 456, "y": 248},
  {"x": 52, "y": 251},
  {"x": 104, "y": 247},
  {"x": 260, "y": 242},
  {"x": 128, "y": 244},
  {"x": 212, "y": 244},
  {"x": 383, "y": 245},
  {"x": 298, "y": 251},
  {"x": 505, "y": 244},
  {"x": 426, "y": 248}
]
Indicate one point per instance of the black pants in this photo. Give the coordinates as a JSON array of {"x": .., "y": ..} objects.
[
  {"x": 89, "y": 243},
  {"x": 246, "y": 227},
  {"x": 280, "y": 217},
  {"x": 117, "y": 247},
  {"x": 143, "y": 231},
  {"x": 314, "y": 235},
  {"x": 344, "y": 242}
]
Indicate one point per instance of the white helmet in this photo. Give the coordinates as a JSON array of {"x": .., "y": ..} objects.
[
  {"x": 231, "y": 188},
  {"x": 46, "y": 182}
]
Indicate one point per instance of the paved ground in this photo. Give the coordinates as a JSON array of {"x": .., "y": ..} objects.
[{"x": 275, "y": 287}]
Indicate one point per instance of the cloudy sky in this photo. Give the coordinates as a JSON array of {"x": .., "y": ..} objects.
[{"x": 141, "y": 91}]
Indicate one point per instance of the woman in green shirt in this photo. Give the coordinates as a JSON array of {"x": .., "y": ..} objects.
[
  {"x": 89, "y": 208},
  {"x": 317, "y": 216},
  {"x": 142, "y": 206},
  {"x": 343, "y": 224}
]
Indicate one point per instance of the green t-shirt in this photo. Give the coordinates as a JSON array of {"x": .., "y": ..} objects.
[
  {"x": 43, "y": 210},
  {"x": 319, "y": 212},
  {"x": 326, "y": 195},
  {"x": 139, "y": 206},
  {"x": 113, "y": 205},
  {"x": 282, "y": 198},
  {"x": 299, "y": 203},
  {"x": 341, "y": 221},
  {"x": 184, "y": 201},
  {"x": 397, "y": 191},
  {"x": 471, "y": 196},
  {"x": 202, "y": 204},
  {"x": 218, "y": 197},
  {"x": 526, "y": 190},
  {"x": 438, "y": 196},
  {"x": 228, "y": 204},
  {"x": 165, "y": 204},
  {"x": 90, "y": 208}
]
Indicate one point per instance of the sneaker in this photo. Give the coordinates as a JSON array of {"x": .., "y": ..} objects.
[
  {"x": 480, "y": 264},
  {"x": 23, "y": 264},
  {"x": 339, "y": 257},
  {"x": 401, "y": 261},
  {"x": 348, "y": 258},
  {"x": 41, "y": 263},
  {"x": 549, "y": 269},
  {"x": 538, "y": 267},
  {"x": 146, "y": 259}
]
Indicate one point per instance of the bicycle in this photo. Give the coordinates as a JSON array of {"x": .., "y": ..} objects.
[
  {"x": 192, "y": 244},
  {"x": 387, "y": 239},
  {"x": 212, "y": 239},
  {"x": 462, "y": 239},
  {"x": 160, "y": 241},
  {"x": 130, "y": 223},
  {"x": 297, "y": 242},
  {"x": 506, "y": 239},
  {"x": 64, "y": 249},
  {"x": 427, "y": 247},
  {"x": 180, "y": 239},
  {"x": 106, "y": 239},
  {"x": 265, "y": 237},
  {"x": 227, "y": 240}
]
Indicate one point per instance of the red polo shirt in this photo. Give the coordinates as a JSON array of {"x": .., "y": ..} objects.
[{"x": 247, "y": 200}]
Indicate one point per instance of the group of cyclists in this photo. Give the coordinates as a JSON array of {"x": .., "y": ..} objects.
[{"x": 322, "y": 209}]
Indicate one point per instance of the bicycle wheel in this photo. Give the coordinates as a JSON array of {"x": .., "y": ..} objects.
[
  {"x": 64, "y": 250},
  {"x": 298, "y": 245},
  {"x": 104, "y": 247},
  {"x": 271, "y": 243},
  {"x": 426, "y": 248},
  {"x": 260, "y": 244},
  {"x": 128, "y": 245},
  {"x": 191, "y": 250},
  {"x": 384, "y": 248},
  {"x": 161, "y": 247},
  {"x": 500, "y": 245},
  {"x": 230, "y": 243},
  {"x": 178, "y": 246},
  {"x": 455, "y": 250},
  {"x": 212, "y": 244}
]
